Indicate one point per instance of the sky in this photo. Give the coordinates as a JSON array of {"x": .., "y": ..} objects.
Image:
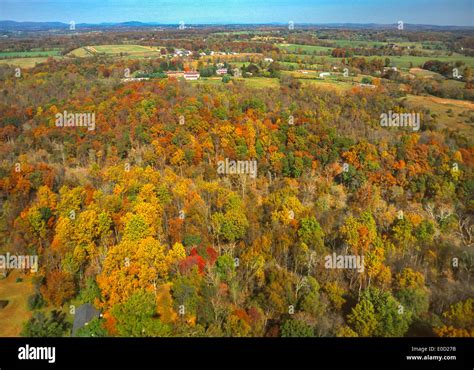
[{"x": 433, "y": 12}]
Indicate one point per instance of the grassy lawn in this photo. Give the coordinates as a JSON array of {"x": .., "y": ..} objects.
[
  {"x": 296, "y": 49},
  {"x": 333, "y": 82},
  {"x": 16, "y": 312},
  {"x": 25, "y": 62},
  {"x": 80, "y": 53},
  {"x": 208, "y": 81},
  {"x": 255, "y": 82},
  {"x": 262, "y": 82},
  {"x": 29, "y": 54},
  {"x": 423, "y": 73},
  {"x": 330, "y": 84},
  {"x": 309, "y": 74},
  {"x": 357, "y": 43},
  {"x": 411, "y": 44},
  {"x": 239, "y": 64},
  {"x": 454, "y": 83},
  {"x": 235, "y": 33},
  {"x": 404, "y": 61},
  {"x": 297, "y": 65},
  {"x": 233, "y": 59},
  {"x": 129, "y": 49}
]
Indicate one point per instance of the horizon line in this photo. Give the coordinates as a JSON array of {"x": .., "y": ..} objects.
[{"x": 151, "y": 23}]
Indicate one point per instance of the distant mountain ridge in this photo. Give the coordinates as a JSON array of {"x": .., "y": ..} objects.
[{"x": 14, "y": 26}]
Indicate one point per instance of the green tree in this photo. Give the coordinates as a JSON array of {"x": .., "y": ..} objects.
[
  {"x": 311, "y": 233},
  {"x": 296, "y": 328},
  {"x": 90, "y": 292},
  {"x": 93, "y": 329},
  {"x": 42, "y": 326},
  {"x": 137, "y": 317},
  {"x": 379, "y": 314},
  {"x": 186, "y": 292},
  {"x": 230, "y": 226},
  {"x": 225, "y": 267},
  {"x": 311, "y": 298},
  {"x": 363, "y": 319},
  {"x": 416, "y": 300}
]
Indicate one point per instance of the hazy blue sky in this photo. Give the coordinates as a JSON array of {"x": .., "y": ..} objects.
[{"x": 439, "y": 12}]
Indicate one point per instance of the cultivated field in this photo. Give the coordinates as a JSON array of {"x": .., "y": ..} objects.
[
  {"x": 116, "y": 50},
  {"x": 26, "y": 62}
]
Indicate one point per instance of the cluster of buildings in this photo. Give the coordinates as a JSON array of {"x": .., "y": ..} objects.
[
  {"x": 188, "y": 53},
  {"x": 386, "y": 69},
  {"x": 182, "y": 53},
  {"x": 194, "y": 75},
  {"x": 189, "y": 75},
  {"x": 134, "y": 79},
  {"x": 202, "y": 54}
]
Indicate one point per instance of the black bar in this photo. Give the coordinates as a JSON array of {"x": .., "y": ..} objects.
[{"x": 290, "y": 353}]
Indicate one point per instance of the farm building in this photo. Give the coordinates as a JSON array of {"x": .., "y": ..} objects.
[
  {"x": 192, "y": 75},
  {"x": 134, "y": 79},
  {"x": 237, "y": 72},
  {"x": 175, "y": 74}
]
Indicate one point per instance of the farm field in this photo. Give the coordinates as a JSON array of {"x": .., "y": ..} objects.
[
  {"x": 423, "y": 73},
  {"x": 29, "y": 54},
  {"x": 116, "y": 50},
  {"x": 262, "y": 82},
  {"x": 402, "y": 62},
  {"x": 295, "y": 49},
  {"x": 406, "y": 62},
  {"x": 454, "y": 115},
  {"x": 330, "y": 84},
  {"x": 254, "y": 82},
  {"x": 26, "y": 62},
  {"x": 357, "y": 43}
]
